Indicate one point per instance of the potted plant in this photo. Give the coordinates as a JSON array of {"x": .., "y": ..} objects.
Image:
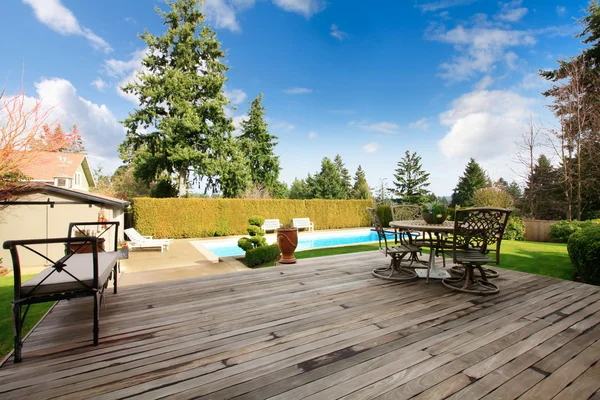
[
  {"x": 434, "y": 212},
  {"x": 287, "y": 239}
]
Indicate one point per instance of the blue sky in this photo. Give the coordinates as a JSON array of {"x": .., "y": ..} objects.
[{"x": 449, "y": 79}]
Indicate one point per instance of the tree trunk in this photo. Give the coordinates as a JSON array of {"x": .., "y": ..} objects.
[{"x": 182, "y": 182}]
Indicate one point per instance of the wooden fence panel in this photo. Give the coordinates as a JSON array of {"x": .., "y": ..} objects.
[{"x": 537, "y": 230}]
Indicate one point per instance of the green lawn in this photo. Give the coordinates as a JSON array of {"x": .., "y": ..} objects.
[
  {"x": 549, "y": 259},
  {"x": 6, "y": 296}
]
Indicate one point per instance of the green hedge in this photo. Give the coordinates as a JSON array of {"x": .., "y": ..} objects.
[
  {"x": 515, "y": 229},
  {"x": 190, "y": 217},
  {"x": 560, "y": 231},
  {"x": 584, "y": 251},
  {"x": 262, "y": 255}
]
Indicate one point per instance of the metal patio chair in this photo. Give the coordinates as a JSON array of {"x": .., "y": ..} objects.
[
  {"x": 396, "y": 271},
  {"x": 474, "y": 230}
]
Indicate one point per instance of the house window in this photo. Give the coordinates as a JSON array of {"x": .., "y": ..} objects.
[
  {"x": 61, "y": 182},
  {"x": 77, "y": 179}
]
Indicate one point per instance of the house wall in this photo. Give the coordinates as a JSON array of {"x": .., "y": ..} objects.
[
  {"x": 42, "y": 221},
  {"x": 84, "y": 184}
]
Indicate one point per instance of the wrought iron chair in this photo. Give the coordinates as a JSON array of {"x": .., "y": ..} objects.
[
  {"x": 474, "y": 230},
  {"x": 396, "y": 271}
]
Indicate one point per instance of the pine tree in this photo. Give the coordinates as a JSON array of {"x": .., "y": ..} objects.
[
  {"x": 299, "y": 190},
  {"x": 344, "y": 174},
  {"x": 328, "y": 183},
  {"x": 180, "y": 127},
  {"x": 411, "y": 180},
  {"x": 361, "y": 189},
  {"x": 258, "y": 145},
  {"x": 543, "y": 194},
  {"x": 474, "y": 178}
]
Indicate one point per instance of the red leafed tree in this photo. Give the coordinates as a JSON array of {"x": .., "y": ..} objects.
[
  {"x": 72, "y": 140},
  {"x": 22, "y": 137}
]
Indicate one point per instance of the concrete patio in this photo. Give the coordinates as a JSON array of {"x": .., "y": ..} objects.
[{"x": 323, "y": 329}]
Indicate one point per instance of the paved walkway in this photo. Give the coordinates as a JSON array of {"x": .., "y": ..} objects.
[{"x": 182, "y": 261}]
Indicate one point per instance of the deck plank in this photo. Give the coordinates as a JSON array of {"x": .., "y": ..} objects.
[{"x": 324, "y": 328}]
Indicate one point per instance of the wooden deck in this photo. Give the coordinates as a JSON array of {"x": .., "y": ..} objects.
[{"x": 322, "y": 329}]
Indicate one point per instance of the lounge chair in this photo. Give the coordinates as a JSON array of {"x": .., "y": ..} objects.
[
  {"x": 301, "y": 223},
  {"x": 271, "y": 225},
  {"x": 145, "y": 242}
]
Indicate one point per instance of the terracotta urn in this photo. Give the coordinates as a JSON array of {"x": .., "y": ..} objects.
[
  {"x": 427, "y": 217},
  {"x": 287, "y": 240}
]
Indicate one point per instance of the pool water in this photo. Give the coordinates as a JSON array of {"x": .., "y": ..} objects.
[{"x": 228, "y": 247}]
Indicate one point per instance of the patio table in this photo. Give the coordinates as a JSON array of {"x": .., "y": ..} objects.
[{"x": 436, "y": 230}]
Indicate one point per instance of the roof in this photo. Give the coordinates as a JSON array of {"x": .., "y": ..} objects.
[
  {"x": 48, "y": 165},
  {"x": 84, "y": 195}
]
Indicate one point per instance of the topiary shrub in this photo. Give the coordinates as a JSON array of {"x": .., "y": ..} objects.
[
  {"x": 515, "y": 229},
  {"x": 584, "y": 251},
  {"x": 261, "y": 255},
  {"x": 560, "y": 231},
  {"x": 256, "y": 238},
  {"x": 256, "y": 220}
]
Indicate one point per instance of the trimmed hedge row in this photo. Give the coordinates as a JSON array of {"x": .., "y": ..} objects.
[
  {"x": 189, "y": 218},
  {"x": 262, "y": 255}
]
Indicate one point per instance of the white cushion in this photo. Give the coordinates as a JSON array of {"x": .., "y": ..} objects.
[{"x": 78, "y": 265}]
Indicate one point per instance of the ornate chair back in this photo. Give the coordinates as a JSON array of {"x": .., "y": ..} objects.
[
  {"x": 406, "y": 212},
  {"x": 478, "y": 228},
  {"x": 376, "y": 223}
]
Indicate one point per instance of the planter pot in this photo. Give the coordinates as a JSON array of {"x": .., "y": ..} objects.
[
  {"x": 287, "y": 240},
  {"x": 429, "y": 218}
]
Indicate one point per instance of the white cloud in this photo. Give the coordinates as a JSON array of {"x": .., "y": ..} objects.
[
  {"x": 442, "y": 4},
  {"x": 484, "y": 124},
  {"x": 511, "y": 59},
  {"x": 312, "y": 135},
  {"x": 100, "y": 130},
  {"x": 383, "y": 127},
  {"x": 479, "y": 48},
  {"x": 283, "y": 126},
  {"x": 236, "y": 96},
  {"x": 99, "y": 84},
  {"x": 237, "y": 122},
  {"x": 484, "y": 83},
  {"x": 371, "y": 147},
  {"x": 303, "y": 7},
  {"x": 337, "y": 33},
  {"x": 297, "y": 90},
  {"x": 561, "y": 11},
  {"x": 533, "y": 81},
  {"x": 126, "y": 71},
  {"x": 511, "y": 11},
  {"x": 222, "y": 14},
  {"x": 420, "y": 124},
  {"x": 60, "y": 19}
]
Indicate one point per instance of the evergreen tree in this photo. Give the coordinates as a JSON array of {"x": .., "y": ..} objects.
[
  {"x": 543, "y": 194},
  {"x": 258, "y": 144},
  {"x": 328, "y": 183},
  {"x": 515, "y": 191},
  {"x": 361, "y": 189},
  {"x": 180, "y": 127},
  {"x": 474, "y": 178},
  {"x": 299, "y": 190},
  {"x": 235, "y": 175},
  {"x": 411, "y": 180},
  {"x": 345, "y": 175}
]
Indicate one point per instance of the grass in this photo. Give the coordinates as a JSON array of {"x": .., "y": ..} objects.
[
  {"x": 549, "y": 259},
  {"x": 6, "y": 296}
]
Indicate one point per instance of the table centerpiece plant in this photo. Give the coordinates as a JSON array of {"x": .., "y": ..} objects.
[{"x": 434, "y": 212}]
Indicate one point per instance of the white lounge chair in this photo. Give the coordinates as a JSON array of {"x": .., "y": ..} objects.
[
  {"x": 303, "y": 223},
  {"x": 271, "y": 225},
  {"x": 146, "y": 242}
]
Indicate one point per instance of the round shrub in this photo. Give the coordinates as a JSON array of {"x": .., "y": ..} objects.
[
  {"x": 493, "y": 197},
  {"x": 515, "y": 229},
  {"x": 258, "y": 241},
  {"x": 255, "y": 231},
  {"x": 262, "y": 255},
  {"x": 560, "y": 231},
  {"x": 584, "y": 251},
  {"x": 245, "y": 244},
  {"x": 256, "y": 220}
]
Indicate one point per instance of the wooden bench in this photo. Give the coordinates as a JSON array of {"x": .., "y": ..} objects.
[
  {"x": 71, "y": 276},
  {"x": 303, "y": 223},
  {"x": 271, "y": 225}
]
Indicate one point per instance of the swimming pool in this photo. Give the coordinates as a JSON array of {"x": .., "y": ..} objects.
[{"x": 306, "y": 241}]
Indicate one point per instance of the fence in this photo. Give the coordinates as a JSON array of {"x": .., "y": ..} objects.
[{"x": 537, "y": 230}]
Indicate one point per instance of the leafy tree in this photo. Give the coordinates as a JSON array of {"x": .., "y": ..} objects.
[
  {"x": 543, "y": 193},
  {"x": 493, "y": 197},
  {"x": 236, "y": 176},
  {"x": 258, "y": 144},
  {"x": 299, "y": 190},
  {"x": 124, "y": 184},
  {"x": 411, "y": 181},
  {"x": 72, "y": 140},
  {"x": 473, "y": 178},
  {"x": 515, "y": 191},
  {"x": 279, "y": 190},
  {"x": 344, "y": 174},
  {"x": 381, "y": 197},
  {"x": 180, "y": 127},
  {"x": 328, "y": 183},
  {"x": 361, "y": 189}
]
